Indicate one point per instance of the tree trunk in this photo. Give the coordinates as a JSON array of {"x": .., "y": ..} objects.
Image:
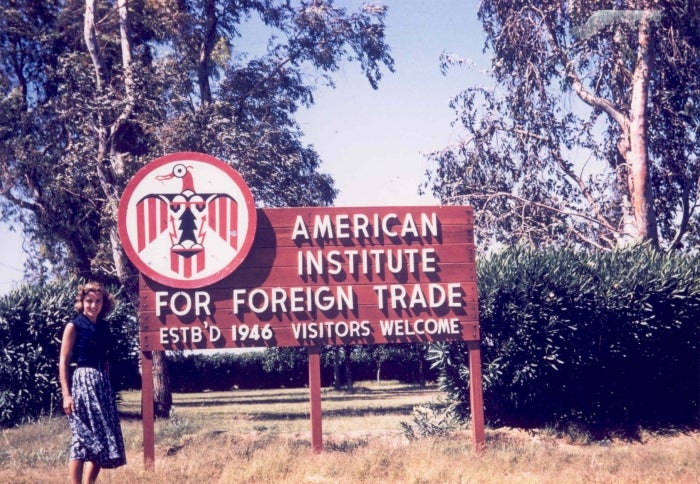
[
  {"x": 93, "y": 47},
  {"x": 348, "y": 370},
  {"x": 639, "y": 216},
  {"x": 421, "y": 372},
  {"x": 205, "y": 49},
  {"x": 109, "y": 168},
  {"x": 162, "y": 394},
  {"x": 125, "y": 40},
  {"x": 336, "y": 368},
  {"x": 637, "y": 157}
]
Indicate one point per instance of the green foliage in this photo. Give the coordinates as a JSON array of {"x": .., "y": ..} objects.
[
  {"x": 286, "y": 368},
  {"x": 32, "y": 319},
  {"x": 598, "y": 340},
  {"x": 174, "y": 431},
  {"x": 272, "y": 368},
  {"x": 124, "y": 354},
  {"x": 216, "y": 371},
  {"x": 283, "y": 360},
  {"x": 545, "y": 154},
  {"x": 72, "y": 134},
  {"x": 430, "y": 420}
]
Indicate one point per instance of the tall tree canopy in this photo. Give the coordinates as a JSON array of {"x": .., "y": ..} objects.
[
  {"x": 589, "y": 134},
  {"x": 91, "y": 90}
]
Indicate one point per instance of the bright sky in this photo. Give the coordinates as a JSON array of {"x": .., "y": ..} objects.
[{"x": 374, "y": 143}]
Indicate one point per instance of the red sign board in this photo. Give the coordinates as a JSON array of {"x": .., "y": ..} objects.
[
  {"x": 330, "y": 276},
  {"x": 217, "y": 273}
]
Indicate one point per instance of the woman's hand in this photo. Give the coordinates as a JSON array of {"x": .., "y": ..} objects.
[{"x": 68, "y": 405}]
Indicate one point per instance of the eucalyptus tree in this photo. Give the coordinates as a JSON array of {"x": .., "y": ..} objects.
[
  {"x": 588, "y": 134},
  {"x": 92, "y": 90}
]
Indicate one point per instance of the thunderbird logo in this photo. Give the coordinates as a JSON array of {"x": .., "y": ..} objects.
[{"x": 187, "y": 220}]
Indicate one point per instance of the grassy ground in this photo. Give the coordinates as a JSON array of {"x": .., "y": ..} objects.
[{"x": 264, "y": 436}]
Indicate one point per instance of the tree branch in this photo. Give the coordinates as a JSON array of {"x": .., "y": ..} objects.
[
  {"x": 584, "y": 94},
  {"x": 686, "y": 211},
  {"x": 573, "y": 176},
  {"x": 127, "y": 65},
  {"x": 460, "y": 198},
  {"x": 90, "y": 35},
  {"x": 205, "y": 49}
]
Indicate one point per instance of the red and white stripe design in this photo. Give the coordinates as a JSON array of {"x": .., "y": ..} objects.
[
  {"x": 151, "y": 221},
  {"x": 223, "y": 218},
  {"x": 187, "y": 266}
]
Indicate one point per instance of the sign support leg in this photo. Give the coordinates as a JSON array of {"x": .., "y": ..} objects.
[
  {"x": 315, "y": 397},
  {"x": 147, "y": 411},
  {"x": 476, "y": 397}
]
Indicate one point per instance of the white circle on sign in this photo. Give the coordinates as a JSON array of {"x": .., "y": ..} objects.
[{"x": 187, "y": 220}]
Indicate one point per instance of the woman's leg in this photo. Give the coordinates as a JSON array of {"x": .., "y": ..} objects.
[
  {"x": 93, "y": 470},
  {"x": 75, "y": 468}
]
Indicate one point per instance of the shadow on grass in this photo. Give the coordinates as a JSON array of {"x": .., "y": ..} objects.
[
  {"x": 343, "y": 412},
  {"x": 130, "y": 415},
  {"x": 289, "y": 416},
  {"x": 237, "y": 401},
  {"x": 286, "y": 398}
]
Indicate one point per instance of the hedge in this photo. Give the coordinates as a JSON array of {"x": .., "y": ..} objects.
[
  {"x": 599, "y": 340},
  {"x": 32, "y": 319}
]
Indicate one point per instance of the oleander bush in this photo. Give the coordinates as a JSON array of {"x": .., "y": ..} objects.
[
  {"x": 603, "y": 341},
  {"x": 32, "y": 318}
]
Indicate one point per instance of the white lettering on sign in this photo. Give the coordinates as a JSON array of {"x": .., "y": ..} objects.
[
  {"x": 339, "y": 274},
  {"x": 438, "y": 295},
  {"x": 293, "y": 299},
  {"x": 243, "y": 332},
  {"x": 345, "y": 226},
  {"x": 183, "y": 334},
  {"x": 366, "y": 261},
  {"x": 332, "y": 329},
  {"x": 181, "y": 303},
  {"x": 404, "y": 327},
  {"x": 189, "y": 334}
]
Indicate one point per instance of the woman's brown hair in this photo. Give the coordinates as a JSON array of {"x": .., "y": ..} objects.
[{"x": 107, "y": 298}]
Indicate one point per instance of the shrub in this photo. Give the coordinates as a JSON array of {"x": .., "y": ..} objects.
[
  {"x": 284, "y": 368},
  {"x": 598, "y": 340},
  {"x": 32, "y": 319},
  {"x": 430, "y": 420}
]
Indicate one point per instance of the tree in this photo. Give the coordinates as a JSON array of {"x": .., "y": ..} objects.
[
  {"x": 289, "y": 365},
  {"x": 589, "y": 133},
  {"x": 91, "y": 91}
]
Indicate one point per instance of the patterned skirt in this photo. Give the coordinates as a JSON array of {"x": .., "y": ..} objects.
[{"x": 96, "y": 433}]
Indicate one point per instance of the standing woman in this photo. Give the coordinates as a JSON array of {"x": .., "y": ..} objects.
[{"x": 88, "y": 399}]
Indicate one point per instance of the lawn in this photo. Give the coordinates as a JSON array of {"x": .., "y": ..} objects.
[{"x": 264, "y": 436}]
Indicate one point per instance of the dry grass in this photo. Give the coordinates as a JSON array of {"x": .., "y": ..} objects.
[{"x": 263, "y": 436}]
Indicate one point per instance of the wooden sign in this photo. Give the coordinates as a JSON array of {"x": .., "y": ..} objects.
[
  {"x": 217, "y": 273},
  {"x": 330, "y": 276}
]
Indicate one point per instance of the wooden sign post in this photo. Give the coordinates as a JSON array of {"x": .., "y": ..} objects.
[
  {"x": 315, "y": 398},
  {"x": 227, "y": 275},
  {"x": 147, "y": 410}
]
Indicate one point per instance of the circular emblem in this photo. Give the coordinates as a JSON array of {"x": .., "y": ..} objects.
[{"x": 187, "y": 220}]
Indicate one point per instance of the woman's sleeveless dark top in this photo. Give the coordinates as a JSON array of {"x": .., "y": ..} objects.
[{"x": 91, "y": 342}]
